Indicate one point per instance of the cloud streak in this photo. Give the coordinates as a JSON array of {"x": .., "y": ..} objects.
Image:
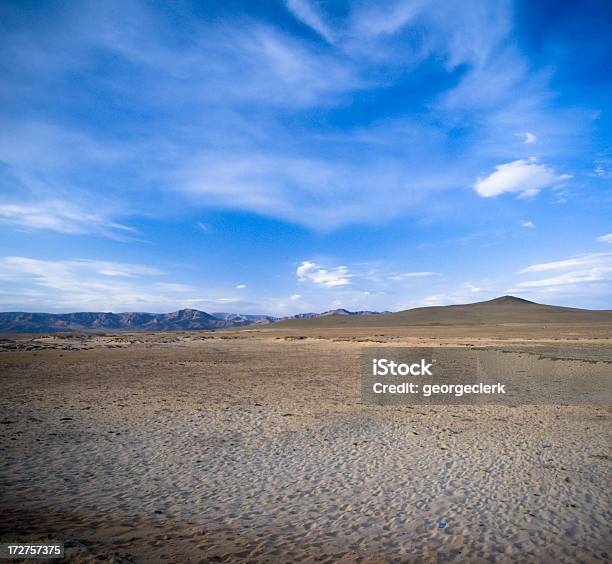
[
  {"x": 64, "y": 218},
  {"x": 304, "y": 11},
  {"x": 582, "y": 274},
  {"x": 92, "y": 285}
]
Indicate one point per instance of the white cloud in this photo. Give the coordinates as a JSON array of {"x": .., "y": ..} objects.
[
  {"x": 295, "y": 297},
  {"x": 275, "y": 67},
  {"x": 529, "y": 138},
  {"x": 524, "y": 176},
  {"x": 605, "y": 238},
  {"x": 527, "y": 224},
  {"x": 581, "y": 274},
  {"x": 578, "y": 261},
  {"x": 46, "y": 269},
  {"x": 304, "y": 11},
  {"x": 595, "y": 274},
  {"x": 404, "y": 275},
  {"x": 91, "y": 285},
  {"x": 384, "y": 19},
  {"x": 317, "y": 191},
  {"x": 62, "y": 217},
  {"x": 312, "y": 272},
  {"x": 601, "y": 171},
  {"x": 241, "y": 286},
  {"x": 602, "y": 166},
  {"x": 120, "y": 269},
  {"x": 281, "y": 70}
]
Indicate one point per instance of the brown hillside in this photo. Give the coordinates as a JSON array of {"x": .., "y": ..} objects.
[{"x": 506, "y": 309}]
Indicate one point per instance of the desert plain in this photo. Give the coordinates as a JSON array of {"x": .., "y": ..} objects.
[{"x": 254, "y": 445}]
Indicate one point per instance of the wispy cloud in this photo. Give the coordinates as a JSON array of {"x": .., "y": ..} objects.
[
  {"x": 524, "y": 176},
  {"x": 579, "y": 276},
  {"x": 62, "y": 217},
  {"x": 304, "y": 11},
  {"x": 605, "y": 238},
  {"x": 384, "y": 18},
  {"x": 92, "y": 285},
  {"x": 240, "y": 153},
  {"x": 56, "y": 178},
  {"x": 408, "y": 275},
  {"x": 203, "y": 226},
  {"x": 47, "y": 270},
  {"x": 580, "y": 260},
  {"x": 318, "y": 192},
  {"x": 602, "y": 166},
  {"x": 527, "y": 224},
  {"x": 595, "y": 274}
]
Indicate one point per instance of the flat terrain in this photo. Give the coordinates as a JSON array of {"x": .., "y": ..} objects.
[{"x": 253, "y": 445}]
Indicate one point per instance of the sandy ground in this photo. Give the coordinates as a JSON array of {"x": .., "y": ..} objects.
[{"x": 255, "y": 446}]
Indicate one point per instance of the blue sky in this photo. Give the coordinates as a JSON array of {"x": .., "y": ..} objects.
[{"x": 281, "y": 157}]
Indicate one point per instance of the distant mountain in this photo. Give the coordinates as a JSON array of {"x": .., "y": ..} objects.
[
  {"x": 332, "y": 312},
  {"x": 244, "y": 319},
  {"x": 182, "y": 320},
  {"x": 506, "y": 309}
]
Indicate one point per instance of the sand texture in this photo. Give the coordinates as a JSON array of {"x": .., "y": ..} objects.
[{"x": 255, "y": 446}]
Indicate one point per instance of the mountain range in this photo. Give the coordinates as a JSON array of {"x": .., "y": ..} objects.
[
  {"x": 182, "y": 320},
  {"x": 506, "y": 309}
]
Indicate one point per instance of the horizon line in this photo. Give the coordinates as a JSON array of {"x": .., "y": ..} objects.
[{"x": 373, "y": 312}]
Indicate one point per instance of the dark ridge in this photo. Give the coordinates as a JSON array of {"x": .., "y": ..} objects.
[
  {"x": 509, "y": 300},
  {"x": 182, "y": 320}
]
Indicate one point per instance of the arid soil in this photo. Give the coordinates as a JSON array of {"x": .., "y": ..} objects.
[{"x": 254, "y": 445}]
